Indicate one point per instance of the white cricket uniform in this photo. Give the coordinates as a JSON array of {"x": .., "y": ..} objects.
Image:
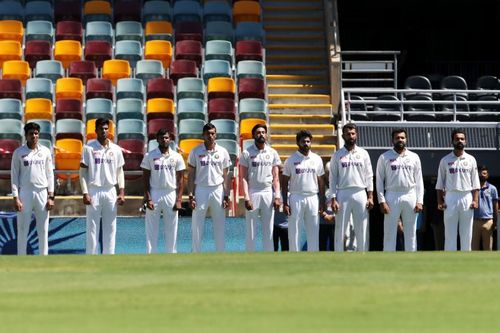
[
  {"x": 103, "y": 164},
  {"x": 260, "y": 164},
  {"x": 401, "y": 186},
  {"x": 32, "y": 177},
  {"x": 209, "y": 192},
  {"x": 163, "y": 185},
  {"x": 351, "y": 176},
  {"x": 458, "y": 177},
  {"x": 304, "y": 204}
]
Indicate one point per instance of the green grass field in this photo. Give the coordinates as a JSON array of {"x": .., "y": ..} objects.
[{"x": 325, "y": 292}]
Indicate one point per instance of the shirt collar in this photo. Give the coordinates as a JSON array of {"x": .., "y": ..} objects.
[{"x": 263, "y": 150}]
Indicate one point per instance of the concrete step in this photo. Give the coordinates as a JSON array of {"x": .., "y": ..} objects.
[
  {"x": 298, "y": 88},
  {"x": 270, "y": 44},
  {"x": 309, "y": 119},
  {"x": 297, "y": 57},
  {"x": 293, "y": 26},
  {"x": 290, "y": 139},
  {"x": 296, "y": 79},
  {"x": 295, "y": 6},
  {"x": 324, "y": 129},
  {"x": 299, "y": 98},
  {"x": 293, "y": 17},
  {"x": 325, "y": 109},
  {"x": 303, "y": 36}
]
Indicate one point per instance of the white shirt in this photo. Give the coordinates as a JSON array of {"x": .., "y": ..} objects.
[
  {"x": 260, "y": 165},
  {"x": 32, "y": 168},
  {"x": 350, "y": 169},
  {"x": 163, "y": 168},
  {"x": 399, "y": 172},
  {"x": 102, "y": 162},
  {"x": 209, "y": 165},
  {"x": 458, "y": 174},
  {"x": 303, "y": 172}
]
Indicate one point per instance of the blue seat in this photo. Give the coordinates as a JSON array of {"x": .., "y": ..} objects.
[
  {"x": 11, "y": 108},
  {"x": 46, "y": 129},
  {"x": 251, "y": 68},
  {"x": 39, "y": 30},
  {"x": 11, "y": 10},
  {"x": 190, "y": 87},
  {"x": 49, "y": 69},
  {"x": 226, "y": 129},
  {"x": 216, "y": 68},
  {"x": 250, "y": 31},
  {"x": 130, "y": 88},
  {"x": 129, "y": 30},
  {"x": 149, "y": 69},
  {"x": 99, "y": 108},
  {"x": 99, "y": 30},
  {"x": 39, "y": 88},
  {"x": 191, "y": 108},
  {"x": 69, "y": 127},
  {"x": 11, "y": 129},
  {"x": 129, "y": 108},
  {"x": 187, "y": 11},
  {"x": 131, "y": 129},
  {"x": 156, "y": 11},
  {"x": 232, "y": 148},
  {"x": 217, "y": 11},
  {"x": 38, "y": 11},
  {"x": 191, "y": 129},
  {"x": 219, "y": 30},
  {"x": 219, "y": 49},
  {"x": 252, "y": 108},
  {"x": 129, "y": 50}
]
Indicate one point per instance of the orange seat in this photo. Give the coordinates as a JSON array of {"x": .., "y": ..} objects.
[
  {"x": 10, "y": 50},
  {"x": 16, "y": 69},
  {"x": 38, "y": 108},
  {"x": 115, "y": 69},
  {"x": 246, "y": 126},
  {"x": 69, "y": 87},
  {"x": 186, "y": 145},
  {"x": 221, "y": 85},
  {"x": 97, "y": 7},
  {"x": 159, "y": 50},
  {"x": 11, "y": 30},
  {"x": 158, "y": 30},
  {"x": 67, "y": 51},
  {"x": 91, "y": 134},
  {"x": 160, "y": 105},
  {"x": 68, "y": 153},
  {"x": 244, "y": 11}
]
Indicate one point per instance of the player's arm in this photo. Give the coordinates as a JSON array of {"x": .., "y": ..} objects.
[
  {"x": 333, "y": 179},
  {"x": 441, "y": 180},
  {"x": 322, "y": 189},
  {"x": 121, "y": 185},
  {"x": 49, "y": 173},
  {"x": 419, "y": 181},
  {"x": 191, "y": 185},
  {"x": 475, "y": 186},
  {"x": 227, "y": 187},
  {"x": 380, "y": 185},
  {"x": 179, "y": 178},
  {"x": 495, "y": 211},
  {"x": 276, "y": 186},
  {"x": 284, "y": 188},
  {"x": 84, "y": 171},
  {"x": 14, "y": 176},
  {"x": 146, "y": 176},
  {"x": 369, "y": 181},
  {"x": 246, "y": 194}
]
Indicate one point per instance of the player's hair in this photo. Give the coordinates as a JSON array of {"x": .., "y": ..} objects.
[
  {"x": 162, "y": 131},
  {"x": 349, "y": 126},
  {"x": 303, "y": 134},
  {"x": 100, "y": 122},
  {"x": 482, "y": 168},
  {"x": 31, "y": 126},
  {"x": 208, "y": 126},
  {"x": 256, "y": 127},
  {"x": 398, "y": 130},
  {"x": 457, "y": 131}
]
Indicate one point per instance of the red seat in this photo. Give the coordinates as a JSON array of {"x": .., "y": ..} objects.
[
  {"x": 155, "y": 124},
  {"x": 189, "y": 31},
  {"x": 249, "y": 50},
  {"x": 98, "y": 51},
  {"x": 189, "y": 50},
  {"x": 7, "y": 147},
  {"x": 69, "y": 30},
  {"x": 99, "y": 88},
  {"x": 68, "y": 11},
  {"x": 36, "y": 50},
  {"x": 69, "y": 108},
  {"x": 127, "y": 10},
  {"x": 11, "y": 88},
  {"x": 133, "y": 153},
  {"x": 183, "y": 68},
  {"x": 251, "y": 87},
  {"x": 84, "y": 70},
  {"x": 160, "y": 88},
  {"x": 221, "y": 108}
]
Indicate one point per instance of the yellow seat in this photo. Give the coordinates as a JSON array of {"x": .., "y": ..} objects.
[
  {"x": 91, "y": 135},
  {"x": 69, "y": 87},
  {"x": 158, "y": 28},
  {"x": 16, "y": 69},
  {"x": 115, "y": 69},
  {"x": 11, "y": 30},
  {"x": 68, "y": 153},
  {"x": 246, "y": 126},
  {"x": 67, "y": 51},
  {"x": 38, "y": 108},
  {"x": 97, "y": 7},
  {"x": 160, "y": 105},
  {"x": 186, "y": 145},
  {"x": 159, "y": 50},
  {"x": 244, "y": 11},
  {"x": 10, "y": 50},
  {"x": 221, "y": 85}
]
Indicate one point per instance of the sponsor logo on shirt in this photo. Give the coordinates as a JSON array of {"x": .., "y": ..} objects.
[
  {"x": 164, "y": 166},
  {"x": 351, "y": 164},
  {"x": 33, "y": 162},
  {"x": 395, "y": 167},
  {"x": 261, "y": 163},
  {"x": 459, "y": 170},
  {"x": 299, "y": 171},
  {"x": 100, "y": 160}
]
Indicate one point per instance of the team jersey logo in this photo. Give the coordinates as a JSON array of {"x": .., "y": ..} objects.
[
  {"x": 267, "y": 157},
  {"x": 216, "y": 156}
]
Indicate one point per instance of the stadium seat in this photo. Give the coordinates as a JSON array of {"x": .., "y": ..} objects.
[
  {"x": 11, "y": 129},
  {"x": 46, "y": 129},
  {"x": 216, "y": 68},
  {"x": 91, "y": 134},
  {"x": 83, "y": 70},
  {"x": 38, "y": 108},
  {"x": 226, "y": 129},
  {"x": 129, "y": 108},
  {"x": 11, "y": 10},
  {"x": 99, "y": 108},
  {"x": 129, "y": 30},
  {"x": 69, "y": 30},
  {"x": 191, "y": 129},
  {"x": 219, "y": 49},
  {"x": 217, "y": 11},
  {"x": 482, "y": 110},
  {"x": 246, "y": 126},
  {"x": 160, "y": 88},
  {"x": 357, "y": 107},
  {"x": 69, "y": 87},
  {"x": 102, "y": 31},
  {"x": 149, "y": 69},
  {"x": 158, "y": 30},
  {"x": 487, "y": 82},
  {"x": 37, "y": 50},
  {"x": 246, "y": 11},
  {"x": 190, "y": 88},
  {"x": 221, "y": 108},
  {"x": 129, "y": 50},
  {"x": 426, "y": 112},
  {"x": 190, "y": 108},
  {"x": 116, "y": 69},
  {"x": 39, "y": 88},
  {"x": 159, "y": 50},
  {"x": 11, "y": 108},
  {"x": 453, "y": 82},
  {"x": 8, "y": 146},
  {"x": 187, "y": 11},
  {"x": 131, "y": 129},
  {"x": 155, "y": 124},
  {"x": 49, "y": 69},
  {"x": 10, "y": 50},
  {"x": 97, "y": 10},
  {"x": 418, "y": 82},
  {"x": 252, "y": 108},
  {"x": 249, "y": 50},
  {"x": 40, "y": 30},
  {"x": 221, "y": 87},
  {"x": 98, "y": 52},
  {"x": 218, "y": 30},
  {"x": 189, "y": 50},
  {"x": 250, "y": 87},
  {"x": 188, "y": 31},
  {"x": 68, "y": 153},
  {"x": 156, "y": 11},
  {"x": 99, "y": 88},
  {"x": 69, "y": 108},
  {"x": 70, "y": 129},
  {"x": 68, "y": 11},
  {"x": 232, "y": 148},
  {"x": 127, "y": 10},
  {"x": 160, "y": 108},
  {"x": 251, "y": 68},
  {"x": 385, "y": 111},
  {"x": 250, "y": 31},
  {"x": 245, "y": 144},
  {"x": 133, "y": 153},
  {"x": 186, "y": 145},
  {"x": 38, "y": 11},
  {"x": 182, "y": 69},
  {"x": 130, "y": 88},
  {"x": 16, "y": 69},
  {"x": 67, "y": 51},
  {"x": 11, "y": 89}
]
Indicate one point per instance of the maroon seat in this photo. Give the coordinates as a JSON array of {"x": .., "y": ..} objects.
[
  {"x": 221, "y": 108},
  {"x": 98, "y": 51},
  {"x": 251, "y": 87},
  {"x": 68, "y": 11},
  {"x": 182, "y": 68},
  {"x": 189, "y": 50},
  {"x": 159, "y": 115},
  {"x": 69, "y": 30},
  {"x": 11, "y": 88},
  {"x": 84, "y": 70},
  {"x": 155, "y": 124},
  {"x": 248, "y": 50},
  {"x": 99, "y": 88},
  {"x": 189, "y": 31},
  {"x": 133, "y": 153},
  {"x": 36, "y": 50},
  {"x": 160, "y": 88},
  {"x": 127, "y": 10},
  {"x": 7, "y": 147},
  {"x": 69, "y": 108}
]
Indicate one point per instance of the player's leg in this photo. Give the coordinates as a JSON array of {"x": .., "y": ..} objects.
[
  {"x": 24, "y": 220},
  {"x": 465, "y": 219},
  {"x": 267, "y": 217},
  {"x": 109, "y": 212},
  {"x": 409, "y": 218},
  {"x": 342, "y": 218},
  {"x": 450, "y": 218},
  {"x": 218, "y": 213},
  {"x": 152, "y": 221},
  {"x": 391, "y": 221},
  {"x": 171, "y": 219},
  {"x": 296, "y": 207},
  {"x": 360, "y": 219},
  {"x": 93, "y": 212},
  {"x": 311, "y": 222},
  {"x": 42, "y": 221},
  {"x": 198, "y": 218},
  {"x": 251, "y": 219}
]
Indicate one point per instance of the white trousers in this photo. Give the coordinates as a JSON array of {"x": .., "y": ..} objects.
[
  {"x": 401, "y": 204},
  {"x": 458, "y": 216},
  {"x": 262, "y": 210},
  {"x": 164, "y": 202},
  {"x": 33, "y": 199},
  {"x": 304, "y": 209},
  {"x": 352, "y": 202},
  {"x": 208, "y": 197},
  {"x": 103, "y": 205}
]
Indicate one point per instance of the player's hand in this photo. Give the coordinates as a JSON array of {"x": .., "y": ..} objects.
[
  {"x": 192, "y": 203},
  {"x": 442, "y": 206},
  {"x": 120, "y": 200},
  {"x": 248, "y": 205},
  {"x": 369, "y": 203},
  {"x": 335, "y": 205},
  {"x": 50, "y": 204},
  {"x": 287, "y": 210},
  {"x": 178, "y": 204},
  {"x": 384, "y": 208},
  {"x": 418, "y": 208},
  {"x": 474, "y": 205},
  {"x": 225, "y": 202},
  {"x": 86, "y": 199},
  {"x": 277, "y": 203},
  {"x": 149, "y": 204},
  {"x": 18, "y": 205}
]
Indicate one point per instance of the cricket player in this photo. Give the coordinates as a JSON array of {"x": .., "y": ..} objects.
[
  {"x": 32, "y": 179},
  {"x": 260, "y": 173},
  {"x": 208, "y": 186},
  {"x": 351, "y": 189},
  {"x": 457, "y": 193},
  {"x": 400, "y": 191},
  {"x": 101, "y": 168},
  {"x": 163, "y": 171},
  {"x": 303, "y": 178}
]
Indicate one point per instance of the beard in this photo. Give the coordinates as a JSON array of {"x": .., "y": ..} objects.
[
  {"x": 260, "y": 139},
  {"x": 482, "y": 179},
  {"x": 459, "y": 145},
  {"x": 399, "y": 145},
  {"x": 350, "y": 142}
]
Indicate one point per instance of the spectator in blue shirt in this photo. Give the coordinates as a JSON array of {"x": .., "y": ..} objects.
[{"x": 485, "y": 216}]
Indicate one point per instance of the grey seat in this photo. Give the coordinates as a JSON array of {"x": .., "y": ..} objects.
[
  {"x": 149, "y": 69},
  {"x": 11, "y": 108},
  {"x": 427, "y": 110},
  {"x": 39, "y": 88},
  {"x": 418, "y": 82},
  {"x": 187, "y": 11},
  {"x": 252, "y": 108},
  {"x": 130, "y": 88},
  {"x": 129, "y": 50},
  {"x": 11, "y": 10},
  {"x": 39, "y": 30},
  {"x": 131, "y": 129},
  {"x": 129, "y": 108},
  {"x": 190, "y": 87},
  {"x": 191, "y": 108},
  {"x": 49, "y": 69},
  {"x": 360, "y": 108},
  {"x": 99, "y": 108},
  {"x": 46, "y": 129},
  {"x": 219, "y": 49},
  {"x": 226, "y": 129},
  {"x": 129, "y": 30},
  {"x": 251, "y": 68},
  {"x": 38, "y": 11},
  {"x": 250, "y": 31},
  {"x": 99, "y": 30},
  {"x": 385, "y": 111},
  {"x": 217, "y": 11},
  {"x": 216, "y": 68},
  {"x": 69, "y": 126},
  {"x": 11, "y": 129},
  {"x": 232, "y": 148},
  {"x": 191, "y": 129}
]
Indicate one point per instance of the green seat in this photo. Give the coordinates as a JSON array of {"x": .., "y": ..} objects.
[
  {"x": 128, "y": 30},
  {"x": 219, "y": 49},
  {"x": 226, "y": 129},
  {"x": 216, "y": 68},
  {"x": 191, "y": 129},
  {"x": 129, "y": 108},
  {"x": 251, "y": 68},
  {"x": 39, "y": 88},
  {"x": 190, "y": 87},
  {"x": 49, "y": 69},
  {"x": 252, "y": 108},
  {"x": 129, "y": 50},
  {"x": 191, "y": 108},
  {"x": 11, "y": 108},
  {"x": 149, "y": 69},
  {"x": 39, "y": 30},
  {"x": 130, "y": 88},
  {"x": 11, "y": 129},
  {"x": 131, "y": 129},
  {"x": 99, "y": 31},
  {"x": 99, "y": 108}
]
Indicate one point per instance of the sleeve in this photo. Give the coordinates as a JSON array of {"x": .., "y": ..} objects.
[
  {"x": 244, "y": 159},
  {"x": 286, "y": 169},
  {"x": 192, "y": 158},
  {"x": 120, "y": 162},
  {"x": 320, "y": 169},
  {"x": 49, "y": 172},
  {"x": 419, "y": 181},
  {"x": 180, "y": 164},
  {"x": 277, "y": 159},
  {"x": 14, "y": 174},
  {"x": 368, "y": 173},
  {"x": 85, "y": 156},
  {"x": 333, "y": 177},
  {"x": 494, "y": 193},
  {"x": 441, "y": 178},
  {"x": 227, "y": 159},
  {"x": 475, "y": 176},
  {"x": 145, "y": 162},
  {"x": 380, "y": 179}
]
